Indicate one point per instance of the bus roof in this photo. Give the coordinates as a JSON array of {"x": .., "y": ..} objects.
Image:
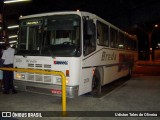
[{"x": 81, "y": 13}]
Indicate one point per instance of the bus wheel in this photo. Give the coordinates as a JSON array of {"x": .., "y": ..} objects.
[{"x": 96, "y": 84}]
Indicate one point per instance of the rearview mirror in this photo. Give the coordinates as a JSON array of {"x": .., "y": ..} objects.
[{"x": 89, "y": 27}]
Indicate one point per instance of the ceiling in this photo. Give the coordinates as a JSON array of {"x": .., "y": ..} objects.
[{"x": 122, "y": 13}]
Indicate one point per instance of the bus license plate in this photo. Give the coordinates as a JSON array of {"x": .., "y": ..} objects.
[{"x": 56, "y": 91}]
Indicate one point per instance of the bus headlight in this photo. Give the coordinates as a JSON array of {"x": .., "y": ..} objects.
[
  {"x": 58, "y": 80},
  {"x": 67, "y": 80},
  {"x": 20, "y": 76}
]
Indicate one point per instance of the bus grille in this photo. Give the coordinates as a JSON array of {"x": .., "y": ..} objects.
[
  {"x": 30, "y": 77},
  {"x": 39, "y": 77},
  {"x": 40, "y": 66}
]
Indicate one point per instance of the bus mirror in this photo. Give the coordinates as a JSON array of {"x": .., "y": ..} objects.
[{"x": 90, "y": 27}]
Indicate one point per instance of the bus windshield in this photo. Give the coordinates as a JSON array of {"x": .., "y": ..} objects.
[{"x": 57, "y": 35}]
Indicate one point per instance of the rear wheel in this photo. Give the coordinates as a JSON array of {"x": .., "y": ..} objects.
[{"x": 96, "y": 84}]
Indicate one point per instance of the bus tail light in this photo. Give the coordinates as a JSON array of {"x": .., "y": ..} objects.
[{"x": 67, "y": 73}]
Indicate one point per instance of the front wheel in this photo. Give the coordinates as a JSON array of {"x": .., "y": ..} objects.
[{"x": 96, "y": 84}]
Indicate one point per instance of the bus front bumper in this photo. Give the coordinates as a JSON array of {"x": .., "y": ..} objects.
[{"x": 43, "y": 88}]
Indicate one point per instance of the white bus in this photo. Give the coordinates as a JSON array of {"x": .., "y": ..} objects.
[{"x": 89, "y": 50}]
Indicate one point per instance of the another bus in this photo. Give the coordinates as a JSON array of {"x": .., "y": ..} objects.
[{"x": 89, "y": 50}]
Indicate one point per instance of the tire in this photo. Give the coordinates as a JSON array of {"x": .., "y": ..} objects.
[{"x": 96, "y": 84}]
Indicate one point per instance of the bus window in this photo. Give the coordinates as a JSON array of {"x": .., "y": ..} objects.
[
  {"x": 33, "y": 38},
  {"x": 121, "y": 41},
  {"x": 128, "y": 43},
  {"x": 113, "y": 38},
  {"x": 134, "y": 45},
  {"x": 30, "y": 37},
  {"x": 61, "y": 36},
  {"x": 102, "y": 34},
  {"x": 89, "y": 37},
  {"x": 23, "y": 40}
]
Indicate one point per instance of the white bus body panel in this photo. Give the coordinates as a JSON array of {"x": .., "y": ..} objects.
[
  {"x": 81, "y": 69},
  {"x": 113, "y": 62},
  {"x": 48, "y": 63}
]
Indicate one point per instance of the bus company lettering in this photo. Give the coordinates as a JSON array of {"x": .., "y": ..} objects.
[
  {"x": 108, "y": 56},
  {"x": 61, "y": 62},
  {"x": 31, "y": 61},
  {"x": 18, "y": 60}
]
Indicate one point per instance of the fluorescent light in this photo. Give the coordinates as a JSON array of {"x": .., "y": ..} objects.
[
  {"x": 2, "y": 42},
  {"x": 156, "y": 25},
  {"x": 13, "y": 1},
  {"x": 13, "y": 41},
  {"x": 120, "y": 45},
  {"x": 13, "y": 36},
  {"x": 14, "y": 26}
]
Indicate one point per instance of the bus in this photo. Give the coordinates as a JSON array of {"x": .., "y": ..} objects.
[{"x": 90, "y": 51}]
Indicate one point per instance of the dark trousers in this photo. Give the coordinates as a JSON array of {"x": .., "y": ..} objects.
[{"x": 8, "y": 79}]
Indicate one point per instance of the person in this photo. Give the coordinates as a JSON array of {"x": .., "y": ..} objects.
[
  {"x": 1, "y": 65},
  {"x": 8, "y": 58},
  {"x": 1, "y": 79}
]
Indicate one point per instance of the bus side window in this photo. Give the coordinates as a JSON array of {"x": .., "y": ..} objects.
[
  {"x": 102, "y": 34},
  {"x": 113, "y": 38},
  {"x": 127, "y": 43},
  {"x": 134, "y": 45},
  {"x": 121, "y": 41},
  {"x": 89, "y": 37}
]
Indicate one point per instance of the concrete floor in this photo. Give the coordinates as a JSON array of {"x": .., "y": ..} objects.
[{"x": 136, "y": 94}]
